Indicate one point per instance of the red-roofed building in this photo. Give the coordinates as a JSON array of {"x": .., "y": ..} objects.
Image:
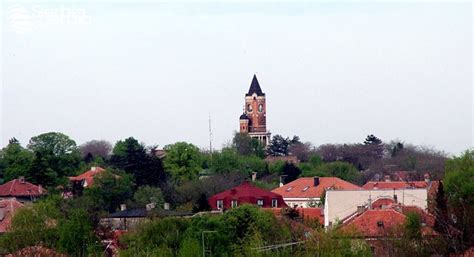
[
  {"x": 306, "y": 192},
  {"x": 373, "y": 185},
  {"x": 378, "y": 225},
  {"x": 8, "y": 207},
  {"x": 245, "y": 193},
  {"x": 21, "y": 190},
  {"x": 86, "y": 179}
]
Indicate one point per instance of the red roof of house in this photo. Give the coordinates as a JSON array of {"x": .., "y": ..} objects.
[
  {"x": 7, "y": 208},
  {"x": 382, "y": 203},
  {"x": 376, "y": 223},
  {"x": 304, "y": 187},
  {"x": 20, "y": 188},
  {"x": 394, "y": 185},
  {"x": 246, "y": 193},
  {"x": 386, "y": 222},
  {"x": 88, "y": 176}
]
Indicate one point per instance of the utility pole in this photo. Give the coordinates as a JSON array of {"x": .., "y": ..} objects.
[{"x": 203, "y": 245}]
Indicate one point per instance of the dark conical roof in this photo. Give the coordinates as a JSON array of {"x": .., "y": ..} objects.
[
  {"x": 255, "y": 87},
  {"x": 244, "y": 117}
]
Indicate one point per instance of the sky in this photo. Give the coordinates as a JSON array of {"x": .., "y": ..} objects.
[{"x": 332, "y": 72}]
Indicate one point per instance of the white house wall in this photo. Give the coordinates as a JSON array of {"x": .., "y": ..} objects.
[{"x": 339, "y": 204}]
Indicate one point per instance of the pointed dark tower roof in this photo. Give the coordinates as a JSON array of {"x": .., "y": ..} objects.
[{"x": 255, "y": 87}]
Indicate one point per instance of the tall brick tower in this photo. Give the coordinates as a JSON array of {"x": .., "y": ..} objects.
[{"x": 254, "y": 119}]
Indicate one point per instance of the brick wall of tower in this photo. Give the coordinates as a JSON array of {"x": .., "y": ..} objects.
[{"x": 258, "y": 118}]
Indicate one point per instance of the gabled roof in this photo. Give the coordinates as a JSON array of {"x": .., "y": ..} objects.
[
  {"x": 7, "y": 208},
  {"x": 255, "y": 87},
  {"x": 394, "y": 185},
  {"x": 245, "y": 190},
  {"x": 376, "y": 223},
  {"x": 20, "y": 188},
  {"x": 88, "y": 176},
  {"x": 304, "y": 187},
  {"x": 386, "y": 222}
]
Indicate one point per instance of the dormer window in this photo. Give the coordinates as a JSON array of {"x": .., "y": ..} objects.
[
  {"x": 306, "y": 188},
  {"x": 289, "y": 189}
]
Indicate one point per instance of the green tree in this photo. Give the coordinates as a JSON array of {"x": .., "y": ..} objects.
[
  {"x": 183, "y": 161},
  {"x": 245, "y": 145},
  {"x": 56, "y": 157},
  {"x": 131, "y": 156},
  {"x": 147, "y": 194},
  {"x": 110, "y": 189},
  {"x": 279, "y": 146},
  {"x": 229, "y": 161},
  {"x": 76, "y": 234},
  {"x": 459, "y": 188},
  {"x": 33, "y": 225},
  {"x": 16, "y": 160}
]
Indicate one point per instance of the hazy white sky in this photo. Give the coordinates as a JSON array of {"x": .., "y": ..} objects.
[{"x": 332, "y": 73}]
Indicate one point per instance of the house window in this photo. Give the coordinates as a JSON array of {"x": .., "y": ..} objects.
[
  {"x": 234, "y": 203},
  {"x": 274, "y": 203},
  {"x": 220, "y": 204},
  {"x": 260, "y": 202}
]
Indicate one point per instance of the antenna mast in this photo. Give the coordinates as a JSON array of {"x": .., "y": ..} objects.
[{"x": 210, "y": 135}]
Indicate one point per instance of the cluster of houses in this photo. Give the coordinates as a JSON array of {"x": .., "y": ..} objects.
[{"x": 375, "y": 209}]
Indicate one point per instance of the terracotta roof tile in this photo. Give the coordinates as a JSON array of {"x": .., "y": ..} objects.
[
  {"x": 88, "y": 176},
  {"x": 20, "y": 188},
  {"x": 8, "y": 208},
  {"x": 376, "y": 223},
  {"x": 304, "y": 187},
  {"x": 394, "y": 185}
]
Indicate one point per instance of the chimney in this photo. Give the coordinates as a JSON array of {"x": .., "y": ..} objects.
[
  {"x": 166, "y": 206},
  {"x": 40, "y": 189},
  {"x": 93, "y": 168},
  {"x": 150, "y": 206},
  {"x": 387, "y": 178},
  {"x": 21, "y": 179},
  {"x": 395, "y": 198},
  {"x": 370, "y": 202},
  {"x": 123, "y": 207},
  {"x": 254, "y": 176},
  {"x": 427, "y": 178},
  {"x": 316, "y": 181}
]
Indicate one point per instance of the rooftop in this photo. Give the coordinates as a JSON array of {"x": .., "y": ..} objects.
[
  {"x": 255, "y": 88},
  {"x": 20, "y": 188},
  {"x": 394, "y": 184},
  {"x": 305, "y": 188},
  {"x": 88, "y": 176}
]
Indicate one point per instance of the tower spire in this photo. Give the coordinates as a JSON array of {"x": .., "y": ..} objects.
[{"x": 255, "y": 87}]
